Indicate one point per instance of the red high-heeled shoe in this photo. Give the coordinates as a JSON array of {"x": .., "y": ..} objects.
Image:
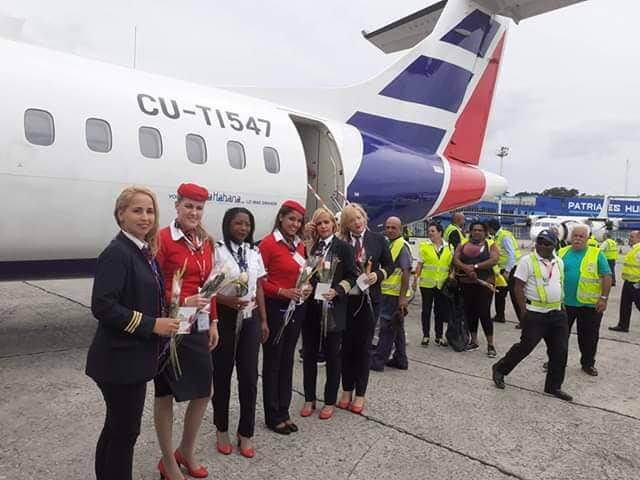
[
  {"x": 224, "y": 449},
  {"x": 246, "y": 452},
  {"x": 343, "y": 404},
  {"x": 200, "y": 472},
  {"x": 163, "y": 472},
  {"x": 326, "y": 413},
  {"x": 307, "y": 411},
  {"x": 357, "y": 409}
]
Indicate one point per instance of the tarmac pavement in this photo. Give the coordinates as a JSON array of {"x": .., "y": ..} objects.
[{"x": 443, "y": 418}]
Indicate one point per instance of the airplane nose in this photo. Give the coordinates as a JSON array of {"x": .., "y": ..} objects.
[{"x": 494, "y": 185}]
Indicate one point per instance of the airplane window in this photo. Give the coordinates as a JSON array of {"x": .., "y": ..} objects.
[
  {"x": 38, "y": 127},
  {"x": 98, "y": 134},
  {"x": 150, "y": 142},
  {"x": 196, "y": 149},
  {"x": 237, "y": 157},
  {"x": 271, "y": 160}
]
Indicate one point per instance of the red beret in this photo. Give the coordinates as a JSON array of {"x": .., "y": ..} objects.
[
  {"x": 293, "y": 205},
  {"x": 194, "y": 192}
]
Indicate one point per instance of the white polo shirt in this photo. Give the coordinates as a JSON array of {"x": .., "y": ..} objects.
[{"x": 551, "y": 274}]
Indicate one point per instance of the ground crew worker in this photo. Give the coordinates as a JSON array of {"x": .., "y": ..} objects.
[
  {"x": 453, "y": 233},
  {"x": 432, "y": 272},
  {"x": 538, "y": 290},
  {"x": 610, "y": 249},
  {"x": 395, "y": 298},
  {"x": 507, "y": 262},
  {"x": 586, "y": 291},
  {"x": 592, "y": 242},
  {"x": 631, "y": 287}
]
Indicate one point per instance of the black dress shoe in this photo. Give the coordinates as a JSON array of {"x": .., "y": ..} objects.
[
  {"x": 545, "y": 366},
  {"x": 560, "y": 394},
  {"x": 394, "y": 364},
  {"x": 376, "y": 368},
  {"x": 618, "y": 328},
  {"x": 498, "y": 378},
  {"x": 590, "y": 371},
  {"x": 284, "y": 430},
  {"x": 292, "y": 427},
  {"x": 498, "y": 319}
]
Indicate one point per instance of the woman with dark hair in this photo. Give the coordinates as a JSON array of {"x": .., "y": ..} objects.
[
  {"x": 474, "y": 262},
  {"x": 283, "y": 255},
  {"x": 243, "y": 326},
  {"x": 337, "y": 269},
  {"x": 432, "y": 272},
  {"x": 127, "y": 301},
  {"x": 185, "y": 244}
]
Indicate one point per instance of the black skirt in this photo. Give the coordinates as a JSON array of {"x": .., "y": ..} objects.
[{"x": 197, "y": 370}]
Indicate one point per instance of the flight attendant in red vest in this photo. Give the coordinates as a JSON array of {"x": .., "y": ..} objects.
[
  {"x": 185, "y": 240},
  {"x": 283, "y": 255}
]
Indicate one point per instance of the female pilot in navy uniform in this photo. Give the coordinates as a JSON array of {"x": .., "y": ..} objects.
[{"x": 127, "y": 302}]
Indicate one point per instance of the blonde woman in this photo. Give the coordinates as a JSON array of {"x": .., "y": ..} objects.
[
  {"x": 127, "y": 301},
  {"x": 373, "y": 258},
  {"x": 337, "y": 257},
  {"x": 185, "y": 243}
]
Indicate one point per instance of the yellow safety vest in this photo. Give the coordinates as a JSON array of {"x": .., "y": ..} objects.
[
  {"x": 542, "y": 292},
  {"x": 631, "y": 268},
  {"x": 435, "y": 270},
  {"x": 610, "y": 249},
  {"x": 592, "y": 242},
  {"x": 589, "y": 285},
  {"x": 499, "y": 279},
  {"x": 392, "y": 284},
  {"x": 452, "y": 227},
  {"x": 503, "y": 258}
]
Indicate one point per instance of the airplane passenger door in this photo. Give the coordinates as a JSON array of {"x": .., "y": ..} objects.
[{"x": 324, "y": 165}]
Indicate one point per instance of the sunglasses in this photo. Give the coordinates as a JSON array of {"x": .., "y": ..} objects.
[{"x": 544, "y": 243}]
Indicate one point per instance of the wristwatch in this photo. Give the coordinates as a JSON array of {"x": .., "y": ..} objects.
[
  {"x": 602, "y": 297},
  {"x": 475, "y": 266}
]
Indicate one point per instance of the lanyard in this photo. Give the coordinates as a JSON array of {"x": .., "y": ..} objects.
[{"x": 549, "y": 268}]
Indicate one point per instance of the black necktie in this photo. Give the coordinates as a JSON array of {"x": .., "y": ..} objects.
[
  {"x": 321, "y": 246},
  {"x": 242, "y": 262},
  {"x": 147, "y": 253}
]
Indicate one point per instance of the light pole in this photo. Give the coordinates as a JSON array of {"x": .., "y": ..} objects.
[{"x": 502, "y": 152}]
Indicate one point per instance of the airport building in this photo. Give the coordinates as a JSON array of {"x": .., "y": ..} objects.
[{"x": 517, "y": 209}]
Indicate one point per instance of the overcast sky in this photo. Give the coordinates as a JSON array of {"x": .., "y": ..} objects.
[{"x": 567, "y": 104}]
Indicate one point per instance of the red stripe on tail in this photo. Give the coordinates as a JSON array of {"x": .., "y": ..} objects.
[{"x": 467, "y": 139}]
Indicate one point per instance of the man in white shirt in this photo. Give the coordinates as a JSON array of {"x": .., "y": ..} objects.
[{"x": 539, "y": 279}]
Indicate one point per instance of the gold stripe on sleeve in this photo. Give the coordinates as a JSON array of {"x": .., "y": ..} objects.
[
  {"x": 135, "y": 321},
  {"x": 346, "y": 286}
]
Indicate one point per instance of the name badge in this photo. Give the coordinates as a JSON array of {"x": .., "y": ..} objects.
[
  {"x": 299, "y": 259},
  {"x": 203, "y": 322}
]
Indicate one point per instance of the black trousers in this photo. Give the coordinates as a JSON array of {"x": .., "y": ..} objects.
[
  {"x": 356, "y": 344},
  {"x": 433, "y": 297},
  {"x": 241, "y": 351},
  {"x": 114, "y": 452},
  {"x": 612, "y": 266},
  {"x": 477, "y": 307},
  {"x": 630, "y": 295},
  {"x": 312, "y": 343},
  {"x": 554, "y": 329},
  {"x": 588, "y": 321},
  {"x": 277, "y": 361},
  {"x": 501, "y": 296}
]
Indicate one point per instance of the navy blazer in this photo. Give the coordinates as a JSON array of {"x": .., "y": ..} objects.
[
  {"x": 376, "y": 248},
  {"x": 126, "y": 300},
  {"x": 343, "y": 280}
]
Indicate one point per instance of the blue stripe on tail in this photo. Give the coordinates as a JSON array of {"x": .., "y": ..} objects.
[
  {"x": 431, "y": 82},
  {"x": 481, "y": 30}
]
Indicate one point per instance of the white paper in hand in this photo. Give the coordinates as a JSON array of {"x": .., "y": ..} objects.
[
  {"x": 321, "y": 289},
  {"x": 363, "y": 282},
  {"x": 184, "y": 314}
]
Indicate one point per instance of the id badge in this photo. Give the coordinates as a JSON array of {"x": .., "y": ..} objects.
[{"x": 203, "y": 322}]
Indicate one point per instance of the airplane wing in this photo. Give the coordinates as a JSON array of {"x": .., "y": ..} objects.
[
  {"x": 522, "y": 9},
  {"x": 412, "y": 29}
]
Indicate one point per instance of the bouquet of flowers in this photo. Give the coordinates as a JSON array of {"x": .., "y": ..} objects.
[
  {"x": 326, "y": 272},
  {"x": 174, "y": 310},
  {"x": 304, "y": 277},
  {"x": 218, "y": 279}
]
